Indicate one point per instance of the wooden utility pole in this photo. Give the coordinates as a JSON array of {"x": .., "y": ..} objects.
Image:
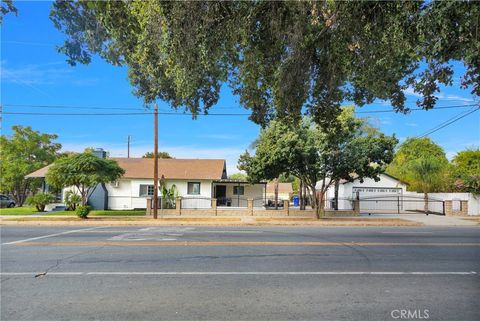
[
  {"x": 128, "y": 147},
  {"x": 155, "y": 163}
]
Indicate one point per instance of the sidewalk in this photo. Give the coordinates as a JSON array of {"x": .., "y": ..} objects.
[{"x": 430, "y": 220}]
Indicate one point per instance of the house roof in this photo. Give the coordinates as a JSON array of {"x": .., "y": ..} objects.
[
  {"x": 355, "y": 177},
  {"x": 39, "y": 172},
  {"x": 282, "y": 188},
  {"x": 170, "y": 168}
]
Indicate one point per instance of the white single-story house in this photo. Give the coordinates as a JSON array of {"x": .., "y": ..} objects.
[{"x": 197, "y": 181}]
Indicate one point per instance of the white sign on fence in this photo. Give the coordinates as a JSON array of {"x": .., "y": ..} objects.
[{"x": 390, "y": 190}]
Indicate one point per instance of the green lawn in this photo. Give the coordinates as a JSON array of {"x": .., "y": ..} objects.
[
  {"x": 33, "y": 210},
  {"x": 101, "y": 213},
  {"x": 18, "y": 211}
]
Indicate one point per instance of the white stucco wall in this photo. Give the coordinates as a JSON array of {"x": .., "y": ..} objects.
[
  {"x": 473, "y": 200},
  {"x": 281, "y": 196},
  {"x": 369, "y": 187},
  {"x": 127, "y": 194},
  {"x": 250, "y": 191}
]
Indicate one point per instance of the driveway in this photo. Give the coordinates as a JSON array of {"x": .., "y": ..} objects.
[{"x": 430, "y": 220}]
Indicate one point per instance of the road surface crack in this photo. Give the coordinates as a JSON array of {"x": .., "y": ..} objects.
[{"x": 61, "y": 260}]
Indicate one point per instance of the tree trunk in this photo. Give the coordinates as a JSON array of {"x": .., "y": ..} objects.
[
  {"x": 20, "y": 193},
  {"x": 276, "y": 193},
  {"x": 301, "y": 195},
  {"x": 84, "y": 193},
  {"x": 316, "y": 203},
  {"x": 337, "y": 186}
]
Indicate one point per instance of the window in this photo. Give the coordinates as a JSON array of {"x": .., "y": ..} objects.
[
  {"x": 238, "y": 190},
  {"x": 193, "y": 188},
  {"x": 146, "y": 190}
]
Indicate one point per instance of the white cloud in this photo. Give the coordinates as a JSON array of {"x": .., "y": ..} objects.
[
  {"x": 450, "y": 154},
  {"x": 410, "y": 92},
  {"x": 52, "y": 73},
  {"x": 455, "y": 98},
  {"x": 441, "y": 96},
  {"x": 412, "y": 124}
]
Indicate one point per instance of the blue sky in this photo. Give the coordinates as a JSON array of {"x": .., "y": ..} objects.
[{"x": 33, "y": 73}]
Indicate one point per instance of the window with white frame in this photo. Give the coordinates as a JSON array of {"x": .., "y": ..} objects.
[
  {"x": 238, "y": 190},
  {"x": 146, "y": 190},
  {"x": 193, "y": 188}
]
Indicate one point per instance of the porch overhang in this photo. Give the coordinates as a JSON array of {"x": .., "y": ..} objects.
[{"x": 237, "y": 182}]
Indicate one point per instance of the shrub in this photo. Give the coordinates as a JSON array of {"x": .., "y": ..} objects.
[
  {"x": 82, "y": 211},
  {"x": 40, "y": 200},
  {"x": 72, "y": 200}
]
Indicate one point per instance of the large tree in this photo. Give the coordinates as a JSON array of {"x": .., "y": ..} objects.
[
  {"x": 25, "y": 151},
  {"x": 318, "y": 154},
  {"x": 281, "y": 58},
  {"x": 466, "y": 170},
  {"x": 426, "y": 172},
  {"x": 83, "y": 171},
  {"x": 407, "y": 157}
]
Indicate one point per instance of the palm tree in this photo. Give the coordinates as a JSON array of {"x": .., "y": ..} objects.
[{"x": 427, "y": 174}]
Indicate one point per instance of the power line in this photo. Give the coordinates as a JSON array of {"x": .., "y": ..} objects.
[
  {"x": 119, "y": 114},
  {"x": 414, "y": 109},
  {"x": 168, "y": 113},
  {"x": 449, "y": 119},
  {"x": 449, "y": 122}
]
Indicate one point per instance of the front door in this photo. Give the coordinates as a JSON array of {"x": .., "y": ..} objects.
[{"x": 221, "y": 194}]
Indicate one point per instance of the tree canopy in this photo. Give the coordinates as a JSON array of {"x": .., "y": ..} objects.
[
  {"x": 466, "y": 170},
  {"x": 407, "y": 156},
  {"x": 83, "y": 171},
  {"x": 281, "y": 58},
  {"x": 318, "y": 154},
  {"x": 164, "y": 155},
  {"x": 22, "y": 153},
  {"x": 238, "y": 176},
  {"x": 426, "y": 173},
  {"x": 6, "y": 7}
]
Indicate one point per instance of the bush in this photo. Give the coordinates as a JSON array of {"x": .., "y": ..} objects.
[
  {"x": 82, "y": 211},
  {"x": 72, "y": 200},
  {"x": 40, "y": 200}
]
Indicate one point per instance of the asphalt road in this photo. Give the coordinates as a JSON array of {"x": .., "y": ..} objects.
[{"x": 239, "y": 273}]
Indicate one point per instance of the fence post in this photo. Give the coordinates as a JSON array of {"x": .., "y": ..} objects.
[
  {"x": 464, "y": 207},
  {"x": 214, "y": 206},
  {"x": 286, "y": 206},
  {"x": 149, "y": 206},
  {"x": 250, "y": 206},
  {"x": 356, "y": 206},
  {"x": 178, "y": 205},
  {"x": 398, "y": 204}
]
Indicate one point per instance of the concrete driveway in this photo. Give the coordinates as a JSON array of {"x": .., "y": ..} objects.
[{"x": 430, "y": 220}]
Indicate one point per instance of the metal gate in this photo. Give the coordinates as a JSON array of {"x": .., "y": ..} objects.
[{"x": 401, "y": 204}]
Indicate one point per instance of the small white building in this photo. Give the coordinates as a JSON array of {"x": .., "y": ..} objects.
[
  {"x": 197, "y": 181},
  {"x": 386, "y": 186}
]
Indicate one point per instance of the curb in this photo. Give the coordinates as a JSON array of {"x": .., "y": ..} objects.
[{"x": 220, "y": 221}]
